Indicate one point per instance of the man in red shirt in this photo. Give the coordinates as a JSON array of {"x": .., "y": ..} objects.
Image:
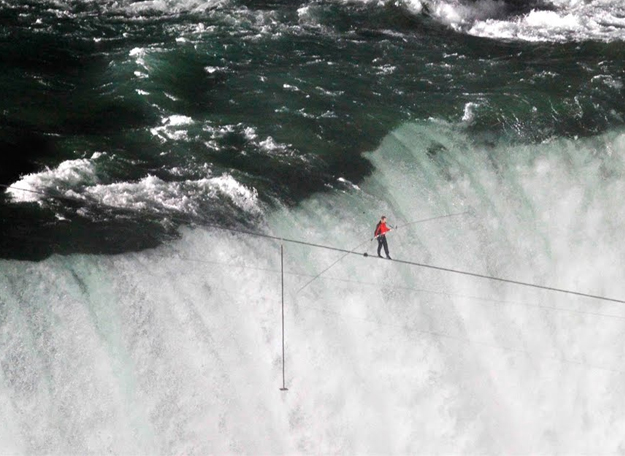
[{"x": 380, "y": 232}]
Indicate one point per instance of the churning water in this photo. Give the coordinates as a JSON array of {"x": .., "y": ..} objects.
[{"x": 129, "y": 324}]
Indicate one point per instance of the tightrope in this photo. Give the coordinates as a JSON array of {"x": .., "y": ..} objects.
[{"x": 352, "y": 252}]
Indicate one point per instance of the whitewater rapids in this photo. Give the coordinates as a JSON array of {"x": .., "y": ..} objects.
[{"x": 176, "y": 350}]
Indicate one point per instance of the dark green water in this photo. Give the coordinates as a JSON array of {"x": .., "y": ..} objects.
[
  {"x": 218, "y": 111},
  {"x": 125, "y": 122}
]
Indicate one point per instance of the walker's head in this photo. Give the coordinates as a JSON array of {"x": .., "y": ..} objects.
[{"x": 383, "y": 218}]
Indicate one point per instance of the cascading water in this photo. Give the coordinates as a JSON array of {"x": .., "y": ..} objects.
[
  {"x": 129, "y": 324},
  {"x": 176, "y": 349}
]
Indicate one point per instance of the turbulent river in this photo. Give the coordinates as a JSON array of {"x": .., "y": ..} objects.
[{"x": 143, "y": 141}]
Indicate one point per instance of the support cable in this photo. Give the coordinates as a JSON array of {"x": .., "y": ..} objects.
[
  {"x": 326, "y": 269},
  {"x": 532, "y": 354}
]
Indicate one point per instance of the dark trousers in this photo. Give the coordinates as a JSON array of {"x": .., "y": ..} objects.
[{"x": 382, "y": 242}]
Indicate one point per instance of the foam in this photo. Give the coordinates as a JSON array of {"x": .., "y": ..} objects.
[
  {"x": 469, "y": 112},
  {"x": 267, "y": 145},
  {"x": 551, "y": 20},
  {"x": 68, "y": 174},
  {"x": 167, "y": 6},
  {"x": 187, "y": 197},
  {"x": 213, "y": 69},
  {"x": 453, "y": 13},
  {"x": 569, "y": 21},
  {"x": 139, "y": 353},
  {"x": 414, "y": 6},
  {"x": 458, "y": 14},
  {"x": 608, "y": 80},
  {"x": 79, "y": 180},
  {"x": 172, "y": 128}
]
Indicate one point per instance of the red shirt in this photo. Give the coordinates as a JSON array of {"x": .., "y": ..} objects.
[{"x": 381, "y": 229}]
